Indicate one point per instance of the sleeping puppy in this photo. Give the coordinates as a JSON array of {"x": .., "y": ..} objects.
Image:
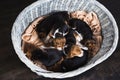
[
  {"x": 48, "y": 58},
  {"x": 70, "y": 38},
  {"x": 73, "y": 38},
  {"x": 52, "y": 22},
  {"x": 75, "y": 50},
  {"x": 58, "y": 36},
  {"x": 62, "y": 29},
  {"x": 82, "y": 28},
  {"x": 59, "y": 42},
  {"x": 76, "y": 58}
]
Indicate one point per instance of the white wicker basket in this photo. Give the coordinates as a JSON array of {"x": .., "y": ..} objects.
[{"x": 41, "y": 7}]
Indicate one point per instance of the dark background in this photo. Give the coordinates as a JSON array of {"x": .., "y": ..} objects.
[{"x": 11, "y": 68}]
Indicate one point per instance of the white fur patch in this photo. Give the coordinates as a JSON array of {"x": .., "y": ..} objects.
[
  {"x": 59, "y": 48},
  {"x": 79, "y": 37},
  {"x": 81, "y": 54},
  {"x": 56, "y": 31}
]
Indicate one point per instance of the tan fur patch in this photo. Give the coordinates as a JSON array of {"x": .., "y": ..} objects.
[
  {"x": 92, "y": 48},
  {"x": 59, "y": 42},
  {"x": 75, "y": 51}
]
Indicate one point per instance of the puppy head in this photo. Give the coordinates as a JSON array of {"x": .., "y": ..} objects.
[
  {"x": 59, "y": 42},
  {"x": 74, "y": 51},
  {"x": 64, "y": 29}
]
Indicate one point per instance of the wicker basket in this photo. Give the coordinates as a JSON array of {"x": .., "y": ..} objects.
[{"x": 41, "y": 7}]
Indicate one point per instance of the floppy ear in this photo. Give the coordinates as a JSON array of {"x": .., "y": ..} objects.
[{"x": 26, "y": 37}]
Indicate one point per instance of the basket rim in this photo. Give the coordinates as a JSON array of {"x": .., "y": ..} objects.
[{"x": 75, "y": 72}]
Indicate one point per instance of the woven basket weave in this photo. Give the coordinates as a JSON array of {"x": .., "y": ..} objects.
[{"x": 42, "y": 7}]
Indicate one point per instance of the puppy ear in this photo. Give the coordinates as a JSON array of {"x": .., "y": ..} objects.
[{"x": 26, "y": 37}]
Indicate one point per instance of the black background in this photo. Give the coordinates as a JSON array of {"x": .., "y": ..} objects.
[{"x": 11, "y": 68}]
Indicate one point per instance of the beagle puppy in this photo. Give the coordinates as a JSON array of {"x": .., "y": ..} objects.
[
  {"x": 52, "y": 22},
  {"x": 92, "y": 20},
  {"x": 75, "y": 51},
  {"x": 81, "y": 27},
  {"x": 76, "y": 58},
  {"x": 70, "y": 38},
  {"x": 73, "y": 38},
  {"x": 49, "y": 57},
  {"x": 59, "y": 43},
  {"x": 58, "y": 36}
]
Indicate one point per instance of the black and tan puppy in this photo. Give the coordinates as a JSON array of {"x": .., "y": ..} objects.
[
  {"x": 75, "y": 59},
  {"x": 82, "y": 28},
  {"x": 52, "y": 22},
  {"x": 70, "y": 38},
  {"x": 73, "y": 38},
  {"x": 48, "y": 57},
  {"x": 58, "y": 36},
  {"x": 59, "y": 42}
]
